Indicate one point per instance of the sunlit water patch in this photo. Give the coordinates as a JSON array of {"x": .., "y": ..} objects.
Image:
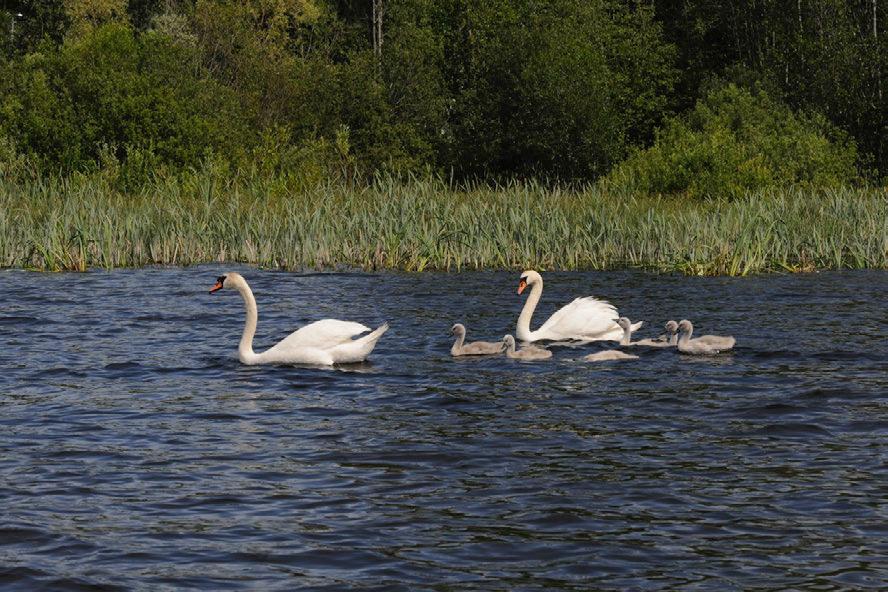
[{"x": 137, "y": 453}]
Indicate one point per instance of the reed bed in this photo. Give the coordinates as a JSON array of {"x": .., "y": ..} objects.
[{"x": 76, "y": 223}]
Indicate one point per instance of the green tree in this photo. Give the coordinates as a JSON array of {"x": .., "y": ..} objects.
[
  {"x": 553, "y": 88},
  {"x": 42, "y": 20},
  {"x": 411, "y": 72},
  {"x": 113, "y": 90},
  {"x": 85, "y": 15}
]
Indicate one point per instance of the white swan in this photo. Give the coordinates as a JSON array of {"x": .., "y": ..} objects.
[
  {"x": 586, "y": 319},
  {"x": 706, "y": 345},
  {"x": 528, "y": 352},
  {"x": 668, "y": 340},
  {"x": 322, "y": 343},
  {"x": 476, "y": 348}
]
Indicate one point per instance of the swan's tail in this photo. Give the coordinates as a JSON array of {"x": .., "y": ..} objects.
[
  {"x": 358, "y": 349},
  {"x": 615, "y": 333}
]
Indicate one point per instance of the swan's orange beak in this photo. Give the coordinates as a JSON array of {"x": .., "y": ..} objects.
[
  {"x": 521, "y": 285},
  {"x": 216, "y": 287}
]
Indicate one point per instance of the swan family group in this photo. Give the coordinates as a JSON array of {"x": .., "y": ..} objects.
[{"x": 584, "y": 320}]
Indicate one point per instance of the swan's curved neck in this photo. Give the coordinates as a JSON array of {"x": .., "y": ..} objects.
[
  {"x": 510, "y": 347},
  {"x": 685, "y": 337},
  {"x": 627, "y": 335},
  {"x": 457, "y": 345},
  {"x": 245, "y": 348},
  {"x": 523, "y": 329},
  {"x": 673, "y": 338}
]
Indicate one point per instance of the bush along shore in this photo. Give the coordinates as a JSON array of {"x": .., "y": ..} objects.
[{"x": 81, "y": 222}]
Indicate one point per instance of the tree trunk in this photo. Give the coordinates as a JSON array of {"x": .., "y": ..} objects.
[
  {"x": 378, "y": 11},
  {"x": 878, "y": 57}
]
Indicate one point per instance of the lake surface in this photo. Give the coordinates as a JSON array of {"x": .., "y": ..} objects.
[{"x": 136, "y": 453}]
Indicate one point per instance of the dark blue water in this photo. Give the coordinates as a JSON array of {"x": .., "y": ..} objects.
[{"x": 137, "y": 453}]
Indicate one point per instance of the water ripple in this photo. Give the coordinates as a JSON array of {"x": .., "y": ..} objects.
[{"x": 136, "y": 453}]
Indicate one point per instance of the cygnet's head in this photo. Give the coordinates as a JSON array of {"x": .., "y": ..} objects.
[
  {"x": 509, "y": 341},
  {"x": 685, "y": 326},
  {"x": 624, "y": 323},
  {"x": 231, "y": 279},
  {"x": 528, "y": 278},
  {"x": 458, "y": 329},
  {"x": 671, "y": 326}
]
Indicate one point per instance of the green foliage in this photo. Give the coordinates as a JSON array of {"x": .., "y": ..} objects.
[
  {"x": 36, "y": 117},
  {"x": 14, "y": 166},
  {"x": 829, "y": 56},
  {"x": 260, "y": 50},
  {"x": 735, "y": 141},
  {"x": 42, "y": 20},
  {"x": 361, "y": 103},
  {"x": 86, "y": 15},
  {"x": 112, "y": 90},
  {"x": 416, "y": 91},
  {"x": 556, "y": 88},
  {"x": 571, "y": 120},
  {"x": 276, "y": 161},
  {"x": 494, "y": 90}
]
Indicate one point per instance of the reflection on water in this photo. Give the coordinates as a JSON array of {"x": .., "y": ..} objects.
[{"x": 137, "y": 453}]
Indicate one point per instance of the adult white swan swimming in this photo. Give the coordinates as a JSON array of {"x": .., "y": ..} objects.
[
  {"x": 321, "y": 343},
  {"x": 586, "y": 319}
]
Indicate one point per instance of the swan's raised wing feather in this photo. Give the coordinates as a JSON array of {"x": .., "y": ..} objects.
[
  {"x": 323, "y": 334},
  {"x": 584, "y": 318},
  {"x": 357, "y": 350}
]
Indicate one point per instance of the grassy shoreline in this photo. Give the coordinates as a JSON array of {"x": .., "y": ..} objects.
[{"x": 77, "y": 223}]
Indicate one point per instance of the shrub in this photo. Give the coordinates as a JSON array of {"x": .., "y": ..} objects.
[
  {"x": 735, "y": 141},
  {"x": 114, "y": 90}
]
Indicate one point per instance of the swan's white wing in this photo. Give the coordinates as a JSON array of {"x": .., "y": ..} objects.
[
  {"x": 584, "y": 318},
  {"x": 357, "y": 350},
  {"x": 322, "y": 334}
]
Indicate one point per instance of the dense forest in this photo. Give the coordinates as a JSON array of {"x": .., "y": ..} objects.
[{"x": 699, "y": 97}]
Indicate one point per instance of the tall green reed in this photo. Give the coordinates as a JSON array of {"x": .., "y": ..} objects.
[{"x": 81, "y": 222}]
